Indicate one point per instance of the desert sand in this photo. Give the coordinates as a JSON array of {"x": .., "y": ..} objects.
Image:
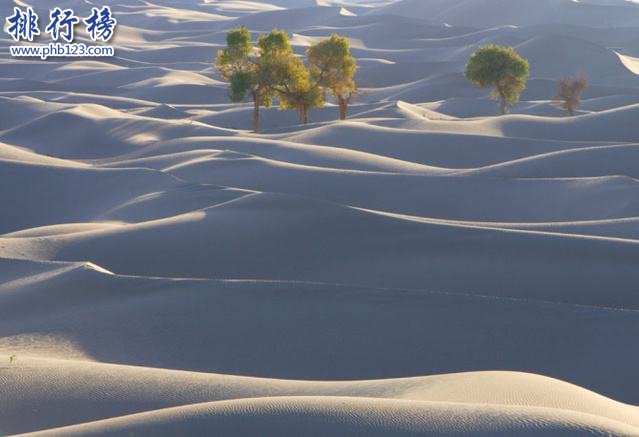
[{"x": 425, "y": 267}]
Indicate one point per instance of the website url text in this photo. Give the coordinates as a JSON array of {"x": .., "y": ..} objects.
[{"x": 60, "y": 50}]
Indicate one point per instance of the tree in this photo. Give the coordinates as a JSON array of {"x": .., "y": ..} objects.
[
  {"x": 502, "y": 68},
  {"x": 333, "y": 68},
  {"x": 235, "y": 65},
  {"x": 269, "y": 70},
  {"x": 569, "y": 91},
  {"x": 299, "y": 91},
  {"x": 275, "y": 52},
  {"x": 287, "y": 75},
  {"x": 244, "y": 67}
]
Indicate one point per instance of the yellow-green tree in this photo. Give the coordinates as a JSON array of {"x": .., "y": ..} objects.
[
  {"x": 333, "y": 68},
  {"x": 297, "y": 90},
  {"x": 287, "y": 75},
  {"x": 502, "y": 68},
  {"x": 237, "y": 64},
  {"x": 267, "y": 71}
]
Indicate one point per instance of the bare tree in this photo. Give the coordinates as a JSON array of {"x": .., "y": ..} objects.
[{"x": 569, "y": 91}]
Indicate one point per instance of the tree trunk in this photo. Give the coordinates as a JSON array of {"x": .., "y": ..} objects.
[
  {"x": 303, "y": 115},
  {"x": 503, "y": 104},
  {"x": 256, "y": 112},
  {"x": 343, "y": 107}
]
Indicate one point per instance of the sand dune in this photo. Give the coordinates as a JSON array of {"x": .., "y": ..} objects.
[
  {"x": 424, "y": 268},
  {"x": 279, "y": 237},
  {"x": 581, "y": 162},
  {"x": 363, "y": 414},
  {"x": 481, "y": 13},
  {"x": 77, "y": 390},
  {"x": 331, "y": 416},
  {"x": 66, "y": 187}
]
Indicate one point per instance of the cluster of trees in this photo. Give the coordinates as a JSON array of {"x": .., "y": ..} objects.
[
  {"x": 271, "y": 70},
  {"x": 504, "y": 70}
]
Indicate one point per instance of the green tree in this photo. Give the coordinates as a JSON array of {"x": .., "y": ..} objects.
[
  {"x": 287, "y": 75},
  {"x": 297, "y": 89},
  {"x": 236, "y": 66},
  {"x": 246, "y": 70},
  {"x": 333, "y": 68},
  {"x": 275, "y": 51},
  {"x": 302, "y": 95},
  {"x": 502, "y": 68},
  {"x": 569, "y": 91},
  {"x": 266, "y": 71}
]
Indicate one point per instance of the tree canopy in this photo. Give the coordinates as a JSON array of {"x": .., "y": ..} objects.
[
  {"x": 266, "y": 71},
  {"x": 234, "y": 64},
  {"x": 298, "y": 90},
  {"x": 287, "y": 75},
  {"x": 237, "y": 64},
  {"x": 502, "y": 68},
  {"x": 271, "y": 70},
  {"x": 333, "y": 68}
]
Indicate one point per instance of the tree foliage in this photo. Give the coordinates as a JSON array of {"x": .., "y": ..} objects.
[
  {"x": 569, "y": 91},
  {"x": 234, "y": 63},
  {"x": 287, "y": 75},
  {"x": 333, "y": 68},
  {"x": 237, "y": 64},
  {"x": 502, "y": 68},
  {"x": 274, "y": 53},
  {"x": 271, "y": 70},
  {"x": 298, "y": 90}
]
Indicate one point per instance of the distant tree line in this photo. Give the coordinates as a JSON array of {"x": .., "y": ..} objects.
[{"x": 270, "y": 70}]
